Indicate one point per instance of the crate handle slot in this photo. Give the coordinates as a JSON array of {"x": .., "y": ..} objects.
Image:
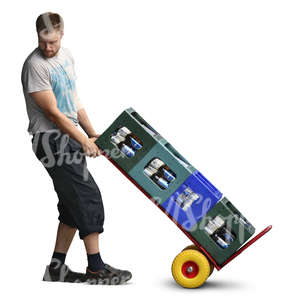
[
  {"x": 144, "y": 124},
  {"x": 179, "y": 157}
]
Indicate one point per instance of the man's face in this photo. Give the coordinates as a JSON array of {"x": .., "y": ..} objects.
[{"x": 49, "y": 43}]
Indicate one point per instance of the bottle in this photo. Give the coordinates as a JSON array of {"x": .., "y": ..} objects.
[
  {"x": 150, "y": 171},
  {"x": 187, "y": 198},
  {"x": 163, "y": 169},
  {"x": 117, "y": 139},
  {"x": 223, "y": 237},
  {"x": 220, "y": 242},
  {"x": 190, "y": 194},
  {"x": 130, "y": 139},
  {"x": 127, "y": 150},
  {"x": 184, "y": 201},
  {"x": 214, "y": 224},
  {"x": 153, "y": 174},
  {"x": 181, "y": 200},
  {"x": 188, "y": 203},
  {"x": 226, "y": 235},
  {"x": 219, "y": 232},
  {"x": 120, "y": 143},
  {"x": 160, "y": 181}
]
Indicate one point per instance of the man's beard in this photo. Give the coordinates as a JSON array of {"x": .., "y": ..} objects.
[{"x": 49, "y": 55}]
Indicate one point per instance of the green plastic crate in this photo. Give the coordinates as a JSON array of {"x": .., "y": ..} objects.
[
  {"x": 139, "y": 127},
  {"x": 181, "y": 167},
  {"x": 235, "y": 221}
]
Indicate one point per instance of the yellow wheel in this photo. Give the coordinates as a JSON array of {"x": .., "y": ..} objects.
[
  {"x": 194, "y": 247},
  {"x": 190, "y": 268}
]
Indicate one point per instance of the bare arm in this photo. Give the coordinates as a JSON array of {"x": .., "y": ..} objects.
[
  {"x": 47, "y": 101},
  {"x": 86, "y": 124}
]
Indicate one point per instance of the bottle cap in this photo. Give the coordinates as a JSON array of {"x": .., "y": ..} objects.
[
  {"x": 124, "y": 131},
  {"x": 157, "y": 163},
  {"x": 210, "y": 228},
  {"x": 218, "y": 221},
  {"x": 115, "y": 139}
]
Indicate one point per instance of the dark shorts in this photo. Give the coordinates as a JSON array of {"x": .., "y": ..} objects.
[{"x": 80, "y": 202}]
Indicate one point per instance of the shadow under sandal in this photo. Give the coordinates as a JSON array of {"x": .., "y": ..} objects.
[
  {"x": 107, "y": 276},
  {"x": 62, "y": 273}
]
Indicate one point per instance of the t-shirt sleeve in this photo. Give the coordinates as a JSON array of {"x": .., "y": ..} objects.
[{"x": 35, "y": 78}]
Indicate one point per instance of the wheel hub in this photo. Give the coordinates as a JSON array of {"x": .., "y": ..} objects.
[{"x": 190, "y": 269}]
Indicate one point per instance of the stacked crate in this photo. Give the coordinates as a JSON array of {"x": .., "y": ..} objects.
[{"x": 206, "y": 203}]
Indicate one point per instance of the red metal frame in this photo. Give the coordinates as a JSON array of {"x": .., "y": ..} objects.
[
  {"x": 248, "y": 244},
  {"x": 218, "y": 267}
]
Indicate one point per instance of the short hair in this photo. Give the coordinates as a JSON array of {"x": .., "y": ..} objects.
[{"x": 48, "y": 22}]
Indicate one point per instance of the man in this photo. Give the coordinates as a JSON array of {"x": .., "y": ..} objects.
[{"x": 55, "y": 111}]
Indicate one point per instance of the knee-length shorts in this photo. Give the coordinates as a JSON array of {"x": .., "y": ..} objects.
[{"x": 80, "y": 203}]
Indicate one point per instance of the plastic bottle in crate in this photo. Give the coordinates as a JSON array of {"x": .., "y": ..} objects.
[
  {"x": 120, "y": 141},
  {"x": 187, "y": 198},
  {"x": 219, "y": 232},
  {"x": 223, "y": 237},
  {"x": 130, "y": 139},
  {"x": 214, "y": 224},
  {"x": 162, "y": 169},
  {"x": 153, "y": 174}
]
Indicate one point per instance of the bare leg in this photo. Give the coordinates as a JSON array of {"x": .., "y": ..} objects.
[
  {"x": 91, "y": 243},
  {"x": 64, "y": 238}
]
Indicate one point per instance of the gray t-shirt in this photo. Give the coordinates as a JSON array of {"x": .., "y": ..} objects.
[{"x": 56, "y": 73}]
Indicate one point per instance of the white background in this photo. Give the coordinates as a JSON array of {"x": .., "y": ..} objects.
[{"x": 208, "y": 76}]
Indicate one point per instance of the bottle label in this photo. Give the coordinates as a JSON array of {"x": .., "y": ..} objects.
[
  {"x": 162, "y": 182},
  {"x": 135, "y": 144},
  {"x": 222, "y": 243},
  {"x": 168, "y": 175},
  {"x": 227, "y": 237},
  {"x": 127, "y": 150}
]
